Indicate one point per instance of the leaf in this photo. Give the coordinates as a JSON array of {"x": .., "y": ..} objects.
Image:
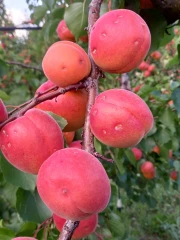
[
  {"x": 117, "y": 4},
  {"x": 27, "y": 229},
  {"x": 76, "y": 18},
  {"x": 6, "y": 234},
  {"x": 130, "y": 156},
  {"x": 157, "y": 25},
  {"x": 178, "y": 49},
  {"x": 172, "y": 62},
  {"x": 147, "y": 144},
  {"x": 167, "y": 37},
  {"x": 104, "y": 8},
  {"x": 119, "y": 160},
  {"x": 30, "y": 206},
  {"x": 49, "y": 3},
  {"x": 176, "y": 99},
  {"x": 4, "y": 96},
  {"x": 9, "y": 192},
  {"x": 162, "y": 136},
  {"x": 57, "y": 13},
  {"x": 50, "y": 29},
  {"x": 3, "y": 68},
  {"x": 39, "y": 13},
  {"x": 167, "y": 118},
  {"x": 17, "y": 177},
  {"x": 60, "y": 121}
]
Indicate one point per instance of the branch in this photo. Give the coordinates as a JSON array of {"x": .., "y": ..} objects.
[
  {"x": 41, "y": 97},
  {"x": 9, "y": 29},
  {"x": 125, "y": 83},
  {"x": 88, "y": 138},
  {"x": 24, "y": 65}
]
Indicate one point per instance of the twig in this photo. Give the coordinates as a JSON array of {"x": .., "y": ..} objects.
[
  {"x": 24, "y": 65},
  {"x": 125, "y": 83},
  {"x": 98, "y": 155},
  {"x": 68, "y": 230},
  {"x": 45, "y": 223},
  {"x": 19, "y": 28}
]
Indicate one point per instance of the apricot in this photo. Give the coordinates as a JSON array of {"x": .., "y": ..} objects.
[
  {"x": 144, "y": 4},
  {"x": 85, "y": 227},
  {"x": 73, "y": 184},
  {"x": 156, "y": 149},
  {"x": 76, "y": 144},
  {"x": 66, "y": 63},
  {"x": 63, "y": 32},
  {"x": 137, "y": 153},
  {"x": 29, "y": 140},
  {"x": 3, "y": 112},
  {"x": 143, "y": 66},
  {"x": 148, "y": 170},
  {"x": 24, "y": 238},
  {"x": 147, "y": 73},
  {"x": 71, "y": 106},
  {"x": 119, "y": 41},
  {"x": 156, "y": 55},
  {"x": 137, "y": 88},
  {"x": 69, "y": 136},
  {"x": 174, "y": 175},
  {"x": 120, "y": 118}
]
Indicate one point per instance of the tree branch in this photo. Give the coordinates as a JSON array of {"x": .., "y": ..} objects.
[
  {"x": 10, "y": 29},
  {"x": 24, "y": 65},
  {"x": 125, "y": 83}
]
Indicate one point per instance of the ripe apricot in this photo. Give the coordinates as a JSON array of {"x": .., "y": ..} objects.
[
  {"x": 174, "y": 175},
  {"x": 143, "y": 66},
  {"x": 85, "y": 227},
  {"x": 3, "y": 112},
  {"x": 29, "y": 140},
  {"x": 63, "y": 32},
  {"x": 119, "y": 41},
  {"x": 125, "y": 116},
  {"x": 71, "y": 106},
  {"x": 148, "y": 170},
  {"x": 137, "y": 153},
  {"x": 156, "y": 149},
  {"x": 73, "y": 184},
  {"x": 24, "y": 238},
  {"x": 68, "y": 136},
  {"x": 156, "y": 55},
  {"x": 147, "y": 73},
  {"x": 76, "y": 144},
  {"x": 66, "y": 63}
]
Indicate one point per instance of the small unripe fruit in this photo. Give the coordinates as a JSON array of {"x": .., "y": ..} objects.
[
  {"x": 76, "y": 144},
  {"x": 151, "y": 68},
  {"x": 73, "y": 184},
  {"x": 3, "y": 112},
  {"x": 147, "y": 74},
  {"x": 66, "y": 63},
  {"x": 63, "y": 32},
  {"x": 174, "y": 175},
  {"x": 119, "y": 41},
  {"x": 125, "y": 116},
  {"x": 85, "y": 227},
  {"x": 156, "y": 55},
  {"x": 148, "y": 170},
  {"x": 143, "y": 66},
  {"x": 137, "y": 88},
  {"x": 29, "y": 140},
  {"x": 68, "y": 136},
  {"x": 156, "y": 149},
  {"x": 137, "y": 153}
]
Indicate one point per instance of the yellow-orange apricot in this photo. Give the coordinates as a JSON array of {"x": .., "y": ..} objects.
[
  {"x": 66, "y": 63},
  {"x": 71, "y": 106},
  {"x": 73, "y": 184},
  {"x": 119, "y": 41},
  {"x": 174, "y": 175},
  {"x": 3, "y": 112},
  {"x": 137, "y": 153},
  {"x": 63, "y": 32},
  {"x": 148, "y": 170},
  {"x": 29, "y": 140},
  {"x": 120, "y": 118},
  {"x": 69, "y": 136},
  {"x": 85, "y": 227}
]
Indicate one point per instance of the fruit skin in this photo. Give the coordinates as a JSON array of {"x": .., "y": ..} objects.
[
  {"x": 66, "y": 63},
  {"x": 63, "y": 32},
  {"x": 68, "y": 136},
  {"x": 76, "y": 144},
  {"x": 85, "y": 227},
  {"x": 156, "y": 55},
  {"x": 174, "y": 175},
  {"x": 125, "y": 116},
  {"x": 148, "y": 170},
  {"x": 3, "y": 112},
  {"x": 71, "y": 106},
  {"x": 137, "y": 153},
  {"x": 137, "y": 88},
  {"x": 73, "y": 184},
  {"x": 24, "y": 238},
  {"x": 143, "y": 66},
  {"x": 144, "y": 4},
  {"x": 29, "y": 140},
  {"x": 151, "y": 68},
  {"x": 119, "y": 41},
  {"x": 147, "y": 74}
]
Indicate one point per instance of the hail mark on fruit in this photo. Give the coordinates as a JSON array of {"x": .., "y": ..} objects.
[
  {"x": 103, "y": 98},
  {"x": 136, "y": 43},
  {"x": 15, "y": 131},
  {"x": 104, "y": 131},
  {"x": 104, "y": 34},
  {"x": 95, "y": 112},
  {"x": 64, "y": 191},
  {"x": 63, "y": 68},
  {"x": 9, "y": 145},
  {"x": 81, "y": 61},
  {"x": 4, "y": 132},
  {"x": 94, "y": 51},
  {"x": 118, "y": 127},
  {"x": 118, "y": 19}
]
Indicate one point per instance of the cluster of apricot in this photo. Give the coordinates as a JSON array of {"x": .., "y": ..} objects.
[{"x": 71, "y": 181}]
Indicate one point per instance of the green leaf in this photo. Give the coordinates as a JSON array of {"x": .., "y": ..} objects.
[
  {"x": 17, "y": 177},
  {"x": 9, "y": 192},
  {"x": 4, "y": 96},
  {"x": 76, "y": 18},
  {"x": 49, "y": 3},
  {"x": 57, "y": 13},
  {"x": 39, "y": 12},
  {"x": 178, "y": 49},
  {"x": 147, "y": 144},
  {"x": 27, "y": 229},
  {"x": 115, "y": 225},
  {"x": 117, "y": 4},
  {"x": 50, "y": 29},
  {"x": 145, "y": 90},
  {"x": 30, "y": 206},
  {"x": 119, "y": 160},
  {"x": 157, "y": 25},
  {"x": 162, "y": 136},
  {"x": 176, "y": 99},
  {"x": 60, "y": 121},
  {"x": 177, "y": 165},
  {"x": 3, "y": 68},
  {"x": 167, "y": 118},
  {"x": 167, "y": 37},
  {"x": 104, "y": 8},
  {"x": 172, "y": 62},
  {"x": 6, "y": 234},
  {"x": 130, "y": 156}
]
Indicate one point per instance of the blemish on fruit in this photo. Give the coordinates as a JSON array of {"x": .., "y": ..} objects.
[
  {"x": 136, "y": 43},
  {"x": 118, "y": 127},
  {"x": 9, "y": 145},
  {"x": 104, "y": 131},
  {"x": 4, "y": 132},
  {"x": 103, "y": 98},
  {"x": 63, "y": 68},
  {"x": 104, "y": 34},
  {"x": 95, "y": 112},
  {"x": 94, "y": 51},
  {"x": 64, "y": 191}
]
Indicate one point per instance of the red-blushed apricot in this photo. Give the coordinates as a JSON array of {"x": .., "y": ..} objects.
[
  {"x": 147, "y": 74},
  {"x": 148, "y": 170},
  {"x": 29, "y": 140},
  {"x": 63, "y": 32},
  {"x": 137, "y": 153},
  {"x": 3, "y": 112},
  {"x": 120, "y": 118},
  {"x": 156, "y": 149},
  {"x": 156, "y": 55},
  {"x": 24, "y": 238},
  {"x": 66, "y": 63},
  {"x": 73, "y": 184},
  {"x": 71, "y": 106},
  {"x": 119, "y": 41},
  {"x": 68, "y": 136},
  {"x": 137, "y": 88},
  {"x": 143, "y": 66},
  {"x": 174, "y": 175},
  {"x": 85, "y": 227},
  {"x": 76, "y": 144},
  {"x": 151, "y": 68},
  {"x": 84, "y": 38},
  {"x": 144, "y": 4}
]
